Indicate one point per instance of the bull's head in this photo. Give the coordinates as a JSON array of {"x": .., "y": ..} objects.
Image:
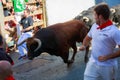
[
  {"x": 87, "y": 17},
  {"x": 33, "y": 45}
]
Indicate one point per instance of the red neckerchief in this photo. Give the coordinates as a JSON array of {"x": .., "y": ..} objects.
[
  {"x": 106, "y": 24},
  {"x": 10, "y": 78}
]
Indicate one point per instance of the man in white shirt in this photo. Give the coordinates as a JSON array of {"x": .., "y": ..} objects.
[{"x": 104, "y": 37}]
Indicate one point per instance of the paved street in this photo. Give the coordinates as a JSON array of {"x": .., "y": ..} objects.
[{"x": 47, "y": 67}]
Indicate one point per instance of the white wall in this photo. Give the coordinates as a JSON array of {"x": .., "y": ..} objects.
[{"x": 64, "y": 10}]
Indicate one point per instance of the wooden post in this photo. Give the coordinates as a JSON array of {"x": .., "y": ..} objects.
[
  {"x": 2, "y": 29},
  {"x": 44, "y": 13}
]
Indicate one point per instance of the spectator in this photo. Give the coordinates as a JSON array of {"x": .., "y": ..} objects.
[
  {"x": 6, "y": 71},
  {"x": 6, "y": 7},
  {"x": 3, "y": 54},
  {"x": 104, "y": 37},
  {"x": 27, "y": 24},
  {"x": 19, "y": 7}
]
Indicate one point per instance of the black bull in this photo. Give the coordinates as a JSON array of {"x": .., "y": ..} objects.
[
  {"x": 87, "y": 16},
  {"x": 57, "y": 39}
]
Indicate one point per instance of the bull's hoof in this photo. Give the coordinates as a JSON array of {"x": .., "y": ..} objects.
[
  {"x": 69, "y": 64},
  {"x": 70, "y": 61}
]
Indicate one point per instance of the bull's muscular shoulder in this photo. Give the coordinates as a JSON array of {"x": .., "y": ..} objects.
[
  {"x": 76, "y": 22},
  {"x": 44, "y": 32},
  {"x": 67, "y": 24},
  {"x": 47, "y": 37}
]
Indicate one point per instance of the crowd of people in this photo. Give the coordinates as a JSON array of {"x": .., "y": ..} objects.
[
  {"x": 104, "y": 36},
  {"x": 22, "y": 18},
  {"x": 21, "y": 23}
]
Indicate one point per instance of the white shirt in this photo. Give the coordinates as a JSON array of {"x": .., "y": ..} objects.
[{"x": 103, "y": 43}]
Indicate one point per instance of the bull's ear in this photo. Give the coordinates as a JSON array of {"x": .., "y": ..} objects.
[{"x": 39, "y": 43}]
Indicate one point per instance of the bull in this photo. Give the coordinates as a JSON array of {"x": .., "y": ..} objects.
[
  {"x": 115, "y": 15},
  {"x": 87, "y": 16},
  {"x": 57, "y": 39}
]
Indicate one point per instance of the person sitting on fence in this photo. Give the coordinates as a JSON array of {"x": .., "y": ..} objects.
[{"x": 27, "y": 24}]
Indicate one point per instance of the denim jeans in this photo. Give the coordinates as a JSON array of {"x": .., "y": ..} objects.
[{"x": 23, "y": 47}]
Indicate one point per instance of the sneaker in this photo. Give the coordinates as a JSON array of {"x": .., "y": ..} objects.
[{"x": 22, "y": 57}]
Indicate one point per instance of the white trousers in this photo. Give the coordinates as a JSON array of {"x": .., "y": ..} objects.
[{"x": 96, "y": 72}]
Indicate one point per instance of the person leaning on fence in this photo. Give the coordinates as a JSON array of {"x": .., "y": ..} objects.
[{"x": 104, "y": 37}]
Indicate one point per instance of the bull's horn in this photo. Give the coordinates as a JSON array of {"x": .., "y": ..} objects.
[
  {"x": 112, "y": 10},
  {"x": 86, "y": 18},
  {"x": 39, "y": 44}
]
